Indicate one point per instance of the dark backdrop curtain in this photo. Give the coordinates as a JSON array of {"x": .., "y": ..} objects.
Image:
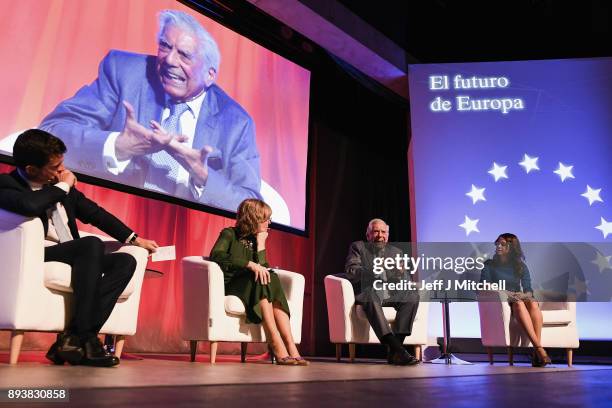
[{"x": 361, "y": 167}]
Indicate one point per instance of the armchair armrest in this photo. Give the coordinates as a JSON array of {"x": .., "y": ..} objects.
[
  {"x": 142, "y": 257},
  {"x": 22, "y": 249},
  {"x": 140, "y": 254},
  {"x": 203, "y": 297},
  {"x": 494, "y": 312},
  {"x": 340, "y": 300},
  {"x": 293, "y": 287}
]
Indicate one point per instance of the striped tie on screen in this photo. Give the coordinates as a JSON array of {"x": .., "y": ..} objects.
[{"x": 162, "y": 177}]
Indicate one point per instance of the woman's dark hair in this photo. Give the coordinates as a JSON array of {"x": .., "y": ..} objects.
[
  {"x": 515, "y": 254},
  {"x": 35, "y": 147}
]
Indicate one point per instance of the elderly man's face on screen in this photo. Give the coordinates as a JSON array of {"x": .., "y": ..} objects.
[{"x": 180, "y": 64}]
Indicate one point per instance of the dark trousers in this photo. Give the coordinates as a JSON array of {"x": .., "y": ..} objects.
[
  {"x": 97, "y": 281},
  {"x": 373, "y": 308}
]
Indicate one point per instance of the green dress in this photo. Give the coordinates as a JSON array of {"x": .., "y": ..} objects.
[{"x": 233, "y": 255}]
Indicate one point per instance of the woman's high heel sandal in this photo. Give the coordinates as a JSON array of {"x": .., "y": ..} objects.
[
  {"x": 271, "y": 354},
  {"x": 536, "y": 361},
  {"x": 289, "y": 361},
  {"x": 301, "y": 361}
]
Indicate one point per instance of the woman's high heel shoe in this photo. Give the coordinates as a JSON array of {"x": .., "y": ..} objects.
[
  {"x": 271, "y": 354},
  {"x": 301, "y": 361},
  {"x": 290, "y": 361},
  {"x": 536, "y": 361}
]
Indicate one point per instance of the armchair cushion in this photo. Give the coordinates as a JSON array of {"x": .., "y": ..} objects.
[
  {"x": 388, "y": 311},
  {"x": 234, "y": 306},
  {"x": 58, "y": 277},
  {"x": 556, "y": 317}
]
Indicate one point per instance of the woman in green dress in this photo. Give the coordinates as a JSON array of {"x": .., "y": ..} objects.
[{"x": 241, "y": 253}]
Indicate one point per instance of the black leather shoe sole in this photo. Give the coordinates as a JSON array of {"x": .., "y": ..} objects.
[{"x": 109, "y": 361}]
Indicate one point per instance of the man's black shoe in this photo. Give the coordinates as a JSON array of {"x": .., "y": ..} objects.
[
  {"x": 96, "y": 356},
  {"x": 402, "y": 358},
  {"x": 52, "y": 353},
  {"x": 68, "y": 349}
]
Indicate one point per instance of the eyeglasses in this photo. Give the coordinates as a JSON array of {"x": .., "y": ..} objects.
[{"x": 501, "y": 244}]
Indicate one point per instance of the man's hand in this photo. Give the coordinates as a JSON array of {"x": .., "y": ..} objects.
[
  {"x": 137, "y": 140},
  {"x": 261, "y": 273},
  {"x": 261, "y": 240},
  {"x": 147, "y": 244},
  {"x": 195, "y": 161},
  {"x": 67, "y": 177}
]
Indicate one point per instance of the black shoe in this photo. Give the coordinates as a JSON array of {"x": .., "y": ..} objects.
[
  {"x": 52, "y": 353},
  {"x": 68, "y": 349},
  {"x": 96, "y": 356},
  {"x": 402, "y": 358}
]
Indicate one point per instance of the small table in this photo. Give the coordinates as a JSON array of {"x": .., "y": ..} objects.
[
  {"x": 447, "y": 357},
  {"x": 153, "y": 273}
]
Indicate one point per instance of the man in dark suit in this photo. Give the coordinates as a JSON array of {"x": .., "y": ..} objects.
[
  {"x": 359, "y": 269},
  {"x": 160, "y": 122},
  {"x": 42, "y": 187}
]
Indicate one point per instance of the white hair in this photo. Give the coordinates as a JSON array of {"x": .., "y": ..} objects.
[
  {"x": 209, "y": 49},
  {"x": 375, "y": 221}
]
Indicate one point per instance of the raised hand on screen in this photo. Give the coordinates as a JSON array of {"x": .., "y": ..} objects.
[
  {"x": 193, "y": 160},
  {"x": 137, "y": 140}
]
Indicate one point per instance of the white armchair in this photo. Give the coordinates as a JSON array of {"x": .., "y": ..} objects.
[
  {"x": 499, "y": 328},
  {"x": 36, "y": 295},
  {"x": 209, "y": 315},
  {"x": 349, "y": 324}
]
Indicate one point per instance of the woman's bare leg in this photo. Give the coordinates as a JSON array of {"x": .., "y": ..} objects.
[
  {"x": 284, "y": 327},
  {"x": 522, "y": 315},
  {"x": 272, "y": 332},
  {"x": 538, "y": 321},
  {"x": 536, "y": 318}
]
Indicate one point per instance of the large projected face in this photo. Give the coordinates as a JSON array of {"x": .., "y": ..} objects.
[
  {"x": 136, "y": 92},
  {"x": 181, "y": 64}
]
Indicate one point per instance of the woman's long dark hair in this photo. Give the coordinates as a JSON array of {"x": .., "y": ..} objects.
[{"x": 515, "y": 255}]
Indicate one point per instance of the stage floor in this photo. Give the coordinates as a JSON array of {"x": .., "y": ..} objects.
[
  {"x": 173, "y": 381},
  {"x": 175, "y": 370}
]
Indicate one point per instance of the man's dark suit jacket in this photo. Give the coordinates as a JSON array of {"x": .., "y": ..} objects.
[
  {"x": 358, "y": 268},
  {"x": 17, "y": 196}
]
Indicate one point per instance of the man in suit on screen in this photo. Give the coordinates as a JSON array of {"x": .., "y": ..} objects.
[
  {"x": 42, "y": 187},
  {"x": 160, "y": 122}
]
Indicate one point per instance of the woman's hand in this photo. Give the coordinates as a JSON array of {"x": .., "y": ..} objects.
[
  {"x": 261, "y": 240},
  {"x": 261, "y": 273}
]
